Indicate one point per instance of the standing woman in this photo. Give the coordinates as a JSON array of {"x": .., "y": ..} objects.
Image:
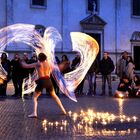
[
  {"x": 130, "y": 68},
  {"x": 64, "y": 64},
  {"x": 7, "y": 67}
]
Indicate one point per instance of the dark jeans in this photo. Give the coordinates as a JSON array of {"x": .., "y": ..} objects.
[
  {"x": 91, "y": 77},
  {"x": 108, "y": 79},
  {"x": 79, "y": 89},
  {"x": 17, "y": 82},
  {"x": 3, "y": 88}
]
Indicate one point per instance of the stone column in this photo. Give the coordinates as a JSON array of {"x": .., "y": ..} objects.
[
  {"x": 65, "y": 31},
  {"x": 9, "y": 21},
  {"x": 9, "y": 12}
]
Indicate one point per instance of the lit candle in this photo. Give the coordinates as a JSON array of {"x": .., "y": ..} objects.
[
  {"x": 121, "y": 120},
  {"x": 128, "y": 119},
  {"x": 61, "y": 128},
  {"x": 134, "y": 118},
  {"x": 45, "y": 128},
  {"x": 56, "y": 124},
  {"x": 69, "y": 113}
]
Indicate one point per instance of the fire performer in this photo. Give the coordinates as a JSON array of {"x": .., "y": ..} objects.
[{"x": 44, "y": 70}]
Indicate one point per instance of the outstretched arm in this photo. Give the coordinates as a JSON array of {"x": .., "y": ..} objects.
[{"x": 25, "y": 65}]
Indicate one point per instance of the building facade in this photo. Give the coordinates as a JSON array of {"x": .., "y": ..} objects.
[{"x": 113, "y": 23}]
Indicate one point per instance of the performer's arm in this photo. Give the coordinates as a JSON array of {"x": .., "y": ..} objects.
[{"x": 25, "y": 65}]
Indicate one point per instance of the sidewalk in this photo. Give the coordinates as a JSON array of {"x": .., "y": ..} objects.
[
  {"x": 91, "y": 118},
  {"x": 52, "y": 125}
]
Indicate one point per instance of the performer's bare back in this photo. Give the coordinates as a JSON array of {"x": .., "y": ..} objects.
[{"x": 43, "y": 69}]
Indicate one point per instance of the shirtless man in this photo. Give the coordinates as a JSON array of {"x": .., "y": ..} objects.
[{"x": 44, "y": 70}]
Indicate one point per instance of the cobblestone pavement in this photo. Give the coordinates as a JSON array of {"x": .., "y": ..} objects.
[{"x": 117, "y": 121}]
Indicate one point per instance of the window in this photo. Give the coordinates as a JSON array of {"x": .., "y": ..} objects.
[
  {"x": 136, "y": 7},
  {"x": 93, "y": 6},
  {"x": 38, "y": 3}
]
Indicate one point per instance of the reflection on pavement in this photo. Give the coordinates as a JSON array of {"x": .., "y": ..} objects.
[{"x": 90, "y": 123}]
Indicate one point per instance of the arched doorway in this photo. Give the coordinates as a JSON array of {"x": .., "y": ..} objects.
[{"x": 135, "y": 44}]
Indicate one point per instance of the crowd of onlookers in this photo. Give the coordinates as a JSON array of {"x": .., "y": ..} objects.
[
  {"x": 15, "y": 72},
  {"x": 129, "y": 84}
]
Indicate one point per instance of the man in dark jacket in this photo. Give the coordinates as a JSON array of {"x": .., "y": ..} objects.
[
  {"x": 106, "y": 67},
  {"x": 16, "y": 74}
]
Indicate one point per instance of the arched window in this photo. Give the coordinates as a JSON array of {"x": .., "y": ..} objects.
[{"x": 135, "y": 43}]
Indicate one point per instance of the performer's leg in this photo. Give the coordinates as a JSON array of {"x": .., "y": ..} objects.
[
  {"x": 58, "y": 101},
  {"x": 35, "y": 97}
]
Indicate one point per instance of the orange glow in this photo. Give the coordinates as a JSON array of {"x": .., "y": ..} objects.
[
  {"x": 91, "y": 123},
  {"x": 1, "y": 81}
]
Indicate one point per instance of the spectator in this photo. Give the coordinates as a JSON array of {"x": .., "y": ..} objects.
[
  {"x": 16, "y": 74},
  {"x": 6, "y": 64},
  {"x": 135, "y": 87},
  {"x": 121, "y": 65},
  {"x": 75, "y": 62},
  {"x": 106, "y": 68},
  {"x": 64, "y": 64},
  {"x": 57, "y": 60},
  {"x": 130, "y": 68},
  {"x": 25, "y": 72},
  {"x": 91, "y": 76},
  {"x": 32, "y": 60}
]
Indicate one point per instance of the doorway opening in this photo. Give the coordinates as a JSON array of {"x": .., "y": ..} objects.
[
  {"x": 137, "y": 57},
  {"x": 97, "y": 37}
]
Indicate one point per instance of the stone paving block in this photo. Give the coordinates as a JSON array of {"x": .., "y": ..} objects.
[{"x": 14, "y": 124}]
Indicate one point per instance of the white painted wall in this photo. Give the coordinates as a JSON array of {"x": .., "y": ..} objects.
[
  {"x": 2, "y": 13},
  {"x": 65, "y": 15},
  {"x": 107, "y": 13}
]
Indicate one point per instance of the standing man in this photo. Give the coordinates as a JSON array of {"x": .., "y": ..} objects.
[
  {"x": 24, "y": 73},
  {"x": 16, "y": 74},
  {"x": 106, "y": 67},
  {"x": 121, "y": 65},
  {"x": 44, "y": 70}
]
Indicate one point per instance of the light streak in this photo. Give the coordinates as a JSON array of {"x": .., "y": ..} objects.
[{"x": 82, "y": 43}]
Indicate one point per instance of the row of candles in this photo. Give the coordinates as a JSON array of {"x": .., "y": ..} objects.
[{"x": 88, "y": 122}]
